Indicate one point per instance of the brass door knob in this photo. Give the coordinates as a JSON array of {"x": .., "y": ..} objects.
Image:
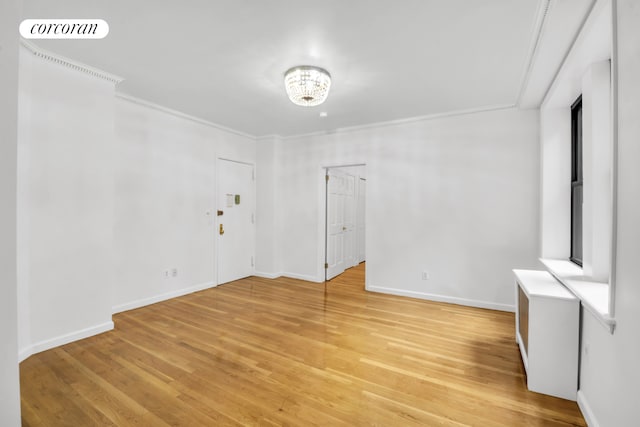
[{"x": 221, "y": 229}]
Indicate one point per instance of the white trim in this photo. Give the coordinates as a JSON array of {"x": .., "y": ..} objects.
[
  {"x": 242, "y": 162},
  {"x": 69, "y": 63},
  {"x": 64, "y": 339},
  {"x": 181, "y": 115},
  {"x": 554, "y": 82},
  {"x": 398, "y": 122},
  {"x": 347, "y": 165},
  {"x": 162, "y": 297},
  {"x": 538, "y": 29},
  {"x": 267, "y": 275},
  {"x": 304, "y": 277},
  {"x": 348, "y": 129},
  {"x": 586, "y": 410},
  {"x": 270, "y": 137},
  {"x": 442, "y": 298},
  {"x": 614, "y": 159},
  {"x": 25, "y": 352},
  {"x": 589, "y": 292}
]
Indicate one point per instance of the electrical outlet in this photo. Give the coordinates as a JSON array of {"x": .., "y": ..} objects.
[
  {"x": 174, "y": 272},
  {"x": 425, "y": 275}
]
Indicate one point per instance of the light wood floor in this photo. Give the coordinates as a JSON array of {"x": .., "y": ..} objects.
[{"x": 287, "y": 352}]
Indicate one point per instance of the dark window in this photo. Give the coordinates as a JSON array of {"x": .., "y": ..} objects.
[{"x": 576, "y": 182}]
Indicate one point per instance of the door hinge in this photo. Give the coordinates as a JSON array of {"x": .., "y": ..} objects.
[
  {"x": 326, "y": 178},
  {"x": 326, "y": 265}
]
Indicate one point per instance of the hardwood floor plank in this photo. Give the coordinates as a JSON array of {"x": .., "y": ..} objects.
[{"x": 287, "y": 352}]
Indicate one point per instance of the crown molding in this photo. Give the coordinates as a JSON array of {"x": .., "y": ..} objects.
[
  {"x": 69, "y": 63},
  {"x": 270, "y": 137},
  {"x": 398, "y": 122},
  {"x": 181, "y": 115},
  {"x": 260, "y": 138},
  {"x": 594, "y": 9},
  {"x": 538, "y": 29},
  {"x": 545, "y": 8}
]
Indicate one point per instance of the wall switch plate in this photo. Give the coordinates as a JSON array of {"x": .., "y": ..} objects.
[
  {"x": 174, "y": 272},
  {"x": 425, "y": 275}
]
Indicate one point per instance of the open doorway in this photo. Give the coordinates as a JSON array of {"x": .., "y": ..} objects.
[{"x": 345, "y": 219}]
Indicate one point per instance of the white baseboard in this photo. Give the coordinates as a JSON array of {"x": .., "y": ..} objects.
[
  {"x": 162, "y": 297},
  {"x": 24, "y": 353},
  {"x": 442, "y": 298},
  {"x": 267, "y": 275},
  {"x": 586, "y": 410},
  {"x": 303, "y": 277},
  {"x": 64, "y": 339}
]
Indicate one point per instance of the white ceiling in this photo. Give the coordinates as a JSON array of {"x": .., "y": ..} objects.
[{"x": 223, "y": 60}]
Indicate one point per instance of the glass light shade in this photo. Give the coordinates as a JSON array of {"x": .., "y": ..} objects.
[{"x": 306, "y": 85}]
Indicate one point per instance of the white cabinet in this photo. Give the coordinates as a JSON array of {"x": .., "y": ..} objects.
[{"x": 547, "y": 331}]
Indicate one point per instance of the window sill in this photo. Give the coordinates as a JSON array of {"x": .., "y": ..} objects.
[{"x": 593, "y": 295}]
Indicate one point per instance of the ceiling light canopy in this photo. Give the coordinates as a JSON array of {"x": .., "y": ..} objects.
[{"x": 306, "y": 85}]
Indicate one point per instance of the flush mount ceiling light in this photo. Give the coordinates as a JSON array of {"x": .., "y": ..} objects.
[{"x": 307, "y": 85}]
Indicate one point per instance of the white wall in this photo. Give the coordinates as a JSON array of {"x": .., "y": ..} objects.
[
  {"x": 65, "y": 203},
  {"x": 165, "y": 186},
  {"x": 267, "y": 192},
  {"x": 609, "y": 375},
  {"x": 555, "y": 206},
  {"x": 102, "y": 215},
  {"x": 457, "y": 196},
  {"x": 9, "y": 383},
  {"x": 597, "y": 148}
]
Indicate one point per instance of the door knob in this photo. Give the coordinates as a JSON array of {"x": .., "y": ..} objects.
[{"x": 221, "y": 229}]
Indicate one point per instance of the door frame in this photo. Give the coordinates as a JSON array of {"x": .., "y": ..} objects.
[
  {"x": 216, "y": 208},
  {"x": 364, "y": 213},
  {"x": 322, "y": 230}
]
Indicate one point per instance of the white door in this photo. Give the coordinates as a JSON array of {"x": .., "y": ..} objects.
[
  {"x": 335, "y": 223},
  {"x": 360, "y": 221},
  {"x": 235, "y": 227},
  {"x": 350, "y": 208}
]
